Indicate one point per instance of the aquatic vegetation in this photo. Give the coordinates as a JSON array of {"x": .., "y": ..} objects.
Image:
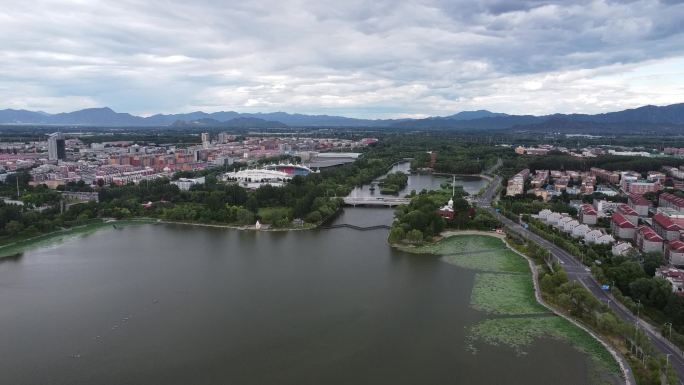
[
  {"x": 511, "y": 294},
  {"x": 60, "y": 236},
  {"x": 460, "y": 244},
  {"x": 519, "y": 333},
  {"x": 504, "y": 261},
  {"x": 503, "y": 286}
]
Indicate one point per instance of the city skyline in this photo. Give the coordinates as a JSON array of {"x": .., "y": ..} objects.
[{"x": 379, "y": 60}]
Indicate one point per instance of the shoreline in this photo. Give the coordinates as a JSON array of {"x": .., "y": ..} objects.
[{"x": 19, "y": 246}]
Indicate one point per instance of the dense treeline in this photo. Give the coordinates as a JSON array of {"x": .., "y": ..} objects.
[
  {"x": 608, "y": 162},
  {"x": 459, "y": 159}
]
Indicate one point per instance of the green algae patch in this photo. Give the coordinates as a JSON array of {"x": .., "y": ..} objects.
[
  {"x": 503, "y": 261},
  {"x": 18, "y": 247},
  {"x": 510, "y": 294},
  {"x": 504, "y": 289},
  {"x": 520, "y": 333},
  {"x": 459, "y": 244}
]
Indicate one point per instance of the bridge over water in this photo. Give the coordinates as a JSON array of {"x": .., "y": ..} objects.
[{"x": 375, "y": 201}]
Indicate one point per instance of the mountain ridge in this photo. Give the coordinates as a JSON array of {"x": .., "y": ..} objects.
[{"x": 669, "y": 116}]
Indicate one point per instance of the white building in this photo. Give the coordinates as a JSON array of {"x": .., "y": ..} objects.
[
  {"x": 605, "y": 239},
  {"x": 622, "y": 249},
  {"x": 544, "y": 214},
  {"x": 592, "y": 236},
  {"x": 569, "y": 226},
  {"x": 561, "y": 222},
  {"x": 185, "y": 183},
  {"x": 553, "y": 218},
  {"x": 580, "y": 231}
]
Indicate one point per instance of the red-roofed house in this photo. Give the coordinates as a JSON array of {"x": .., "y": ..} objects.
[
  {"x": 672, "y": 201},
  {"x": 674, "y": 276},
  {"x": 639, "y": 204},
  {"x": 621, "y": 227},
  {"x": 587, "y": 214},
  {"x": 648, "y": 241},
  {"x": 628, "y": 213},
  {"x": 665, "y": 227},
  {"x": 674, "y": 251}
]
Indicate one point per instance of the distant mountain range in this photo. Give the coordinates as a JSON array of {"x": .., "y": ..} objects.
[{"x": 646, "y": 117}]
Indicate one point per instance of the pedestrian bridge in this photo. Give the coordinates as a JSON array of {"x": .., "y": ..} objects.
[{"x": 373, "y": 201}]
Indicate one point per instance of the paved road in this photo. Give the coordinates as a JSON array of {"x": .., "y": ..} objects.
[{"x": 578, "y": 272}]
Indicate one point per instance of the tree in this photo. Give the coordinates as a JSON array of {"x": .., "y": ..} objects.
[
  {"x": 652, "y": 261},
  {"x": 14, "y": 227},
  {"x": 313, "y": 217},
  {"x": 415, "y": 236},
  {"x": 396, "y": 234}
]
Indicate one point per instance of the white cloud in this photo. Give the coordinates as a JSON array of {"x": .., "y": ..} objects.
[{"x": 359, "y": 58}]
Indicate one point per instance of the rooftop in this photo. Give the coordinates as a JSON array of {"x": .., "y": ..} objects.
[
  {"x": 673, "y": 199},
  {"x": 621, "y": 221},
  {"x": 676, "y": 246},
  {"x": 639, "y": 200},
  {"x": 649, "y": 234},
  {"x": 665, "y": 222}
]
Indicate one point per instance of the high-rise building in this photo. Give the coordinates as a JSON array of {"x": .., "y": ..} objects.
[
  {"x": 205, "y": 140},
  {"x": 56, "y": 146}
]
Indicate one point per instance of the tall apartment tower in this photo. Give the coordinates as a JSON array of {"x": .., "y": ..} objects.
[
  {"x": 205, "y": 140},
  {"x": 56, "y": 146}
]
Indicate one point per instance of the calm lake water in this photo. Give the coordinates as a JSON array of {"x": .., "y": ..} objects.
[
  {"x": 418, "y": 182},
  {"x": 167, "y": 304}
]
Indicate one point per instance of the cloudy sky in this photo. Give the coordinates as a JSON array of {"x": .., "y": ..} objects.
[{"x": 356, "y": 58}]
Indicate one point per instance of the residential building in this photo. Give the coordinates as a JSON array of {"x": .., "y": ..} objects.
[
  {"x": 516, "y": 185},
  {"x": 639, "y": 204},
  {"x": 553, "y": 218},
  {"x": 587, "y": 214},
  {"x": 592, "y": 236},
  {"x": 628, "y": 213},
  {"x": 580, "y": 231},
  {"x": 605, "y": 175},
  {"x": 671, "y": 201},
  {"x": 569, "y": 226},
  {"x": 648, "y": 241},
  {"x": 544, "y": 214},
  {"x": 665, "y": 227},
  {"x": 622, "y": 249},
  {"x": 674, "y": 252},
  {"x": 56, "y": 146},
  {"x": 605, "y": 239},
  {"x": 674, "y": 276},
  {"x": 621, "y": 227},
  {"x": 562, "y": 221}
]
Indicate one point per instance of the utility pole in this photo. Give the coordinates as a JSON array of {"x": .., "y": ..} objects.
[
  {"x": 636, "y": 326},
  {"x": 17, "y": 179}
]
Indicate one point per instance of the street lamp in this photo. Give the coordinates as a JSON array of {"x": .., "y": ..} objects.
[{"x": 669, "y": 325}]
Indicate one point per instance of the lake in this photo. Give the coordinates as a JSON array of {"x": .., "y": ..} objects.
[
  {"x": 418, "y": 182},
  {"x": 172, "y": 304}
]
